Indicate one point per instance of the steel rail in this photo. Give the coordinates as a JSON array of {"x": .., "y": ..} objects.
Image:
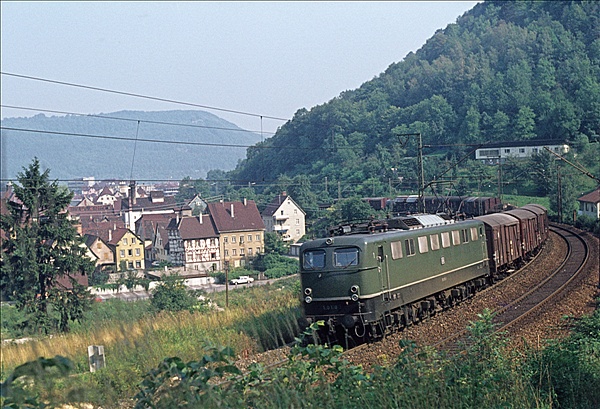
[{"x": 539, "y": 295}]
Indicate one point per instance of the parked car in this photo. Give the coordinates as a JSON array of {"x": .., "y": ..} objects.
[{"x": 241, "y": 280}]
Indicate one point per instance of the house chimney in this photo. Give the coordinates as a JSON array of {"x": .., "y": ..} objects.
[
  {"x": 245, "y": 202},
  {"x": 232, "y": 214},
  {"x": 132, "y": 193},
  {"x": 109, "y": 235},
  {"x": 200, "y": 217}
]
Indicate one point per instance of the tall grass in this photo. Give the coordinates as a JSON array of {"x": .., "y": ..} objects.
[{"x": 135, "y": 341}]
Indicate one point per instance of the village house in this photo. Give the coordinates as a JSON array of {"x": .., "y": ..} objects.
[
  {"x": 241, "y": 231},
  {"x": 589, "y": 204},
  {"x": 128, "y": 249},
  {"x": 284, "y": 217},
  {"x": 194, "y": 244},
  {"x": 498, "y": 152},
  {"x": 151, "y": 228},
  {"x": 107, "y": 197},
  {"x": 133, "y": 207},
  {"x": 100, "y": 252}
]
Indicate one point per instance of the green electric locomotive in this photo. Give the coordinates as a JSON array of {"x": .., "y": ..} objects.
[{"x": 366, "y": 284}]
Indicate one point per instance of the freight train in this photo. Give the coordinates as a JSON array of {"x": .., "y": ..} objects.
[
  {"x": 467, "y": 206},
  {"x": 368, "y": 279}
]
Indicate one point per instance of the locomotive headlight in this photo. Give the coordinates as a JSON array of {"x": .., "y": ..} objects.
[
  {"x": 308, "y": 299},
  {"x": 307, "y": 291},
  {"x": 354, "y": 289},
  {"x": 354, "y": 297}
]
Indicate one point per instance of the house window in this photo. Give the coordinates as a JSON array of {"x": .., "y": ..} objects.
[
  {"x": 233, "y": 239},
  {"x": 506, "y": 150},
  {"x": 138, "y": 264},
  {"x": 234, "y": 252},
  {"x": 225, "y": 239},
  {"x": 258, "y": 237},
  {"x": 226, "y": 253},
  {"x": 129, "y": 253},
  {"x": 213, "y": 256},
  {"x": 521, "y": 150},
  {"x": 131, "y": 264},
  {"x": 242, "y": 252},
  {"x": 241, "y": 239},
  {"x": 535, "y": 150},
  {"x": 250, "y": 251},
  {"x": 490, "y": 152},
  {"x": 212, "y": 242},
  {"x": 249, "y": 237},
  {"x": 125, "y": 240},
  {"x": 98, "y": 245},
  {"x": 282, "y": 212},
  {"x": 297, "y": 222},
  {"x": 257, "y": 250},
  {"x": 295, "y": 211},
  {"x": 137, "y": 252},
  {"x": 122, "y": 253}
]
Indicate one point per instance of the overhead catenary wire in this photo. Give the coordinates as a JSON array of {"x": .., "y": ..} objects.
[
  {"x": 134, "y": 119},
  {"x": 124, "y": 138},
  {"x": 131, "y": 94}
]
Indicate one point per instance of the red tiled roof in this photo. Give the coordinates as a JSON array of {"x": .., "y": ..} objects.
[
  {"x": 197, "y": 227},
  {"x": 592, "y": 197},
  {"x": 106, "y": 191},
  {"x": 117, "y": 235},
  {"x": 236, "y": 216}
]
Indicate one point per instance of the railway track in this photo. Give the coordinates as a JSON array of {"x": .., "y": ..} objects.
[
  {"x": 550, "y": 289},
  {"x": 507, "y": 315}
]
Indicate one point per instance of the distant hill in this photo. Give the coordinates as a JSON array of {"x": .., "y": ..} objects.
[
  {"x": 505, "y": 71},
  {"x": 70, "y": 156}
]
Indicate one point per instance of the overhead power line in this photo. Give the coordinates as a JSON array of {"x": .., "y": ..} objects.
[
  {"x": 124, "y": 138},
  {"x": 132, "y": 119},
  {"x": 131, "y": 94}
]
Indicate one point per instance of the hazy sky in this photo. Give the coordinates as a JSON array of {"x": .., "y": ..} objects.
[{"x": 263, "y": 58}]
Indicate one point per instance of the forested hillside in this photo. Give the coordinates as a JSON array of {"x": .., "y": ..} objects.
[
  {"x": 87, "y": 145},
  {"x": 505, "y": 71}
]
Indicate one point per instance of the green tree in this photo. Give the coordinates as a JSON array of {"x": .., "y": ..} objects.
[
  {"x": 42, "y": 252},
  {"x": 355, "y": 209},
  {"x": 525, "y": 124},
  {"x": 171, "y": 294},
  {"x": 275, "y": 244}
]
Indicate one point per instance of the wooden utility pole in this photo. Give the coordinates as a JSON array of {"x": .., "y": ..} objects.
[{"x": 226, "y": 284}]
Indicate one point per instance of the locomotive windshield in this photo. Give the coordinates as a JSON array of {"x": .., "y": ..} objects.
[
  {"x": 345, "y": 257},
  {"x": 313, "y": 259}
]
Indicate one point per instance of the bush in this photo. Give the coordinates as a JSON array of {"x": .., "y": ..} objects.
[
  {"x": 99, "y": 277},
  {"x": 14, "y": 321},
  {"x": 267, "y": 261},
  {"x": 172, "y": 295},
  {"x": 588, "y": 223},
  {"x": 571, "y": 368}
]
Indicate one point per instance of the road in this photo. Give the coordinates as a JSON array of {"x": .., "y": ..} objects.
[{"x": 208, "y": 288}]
